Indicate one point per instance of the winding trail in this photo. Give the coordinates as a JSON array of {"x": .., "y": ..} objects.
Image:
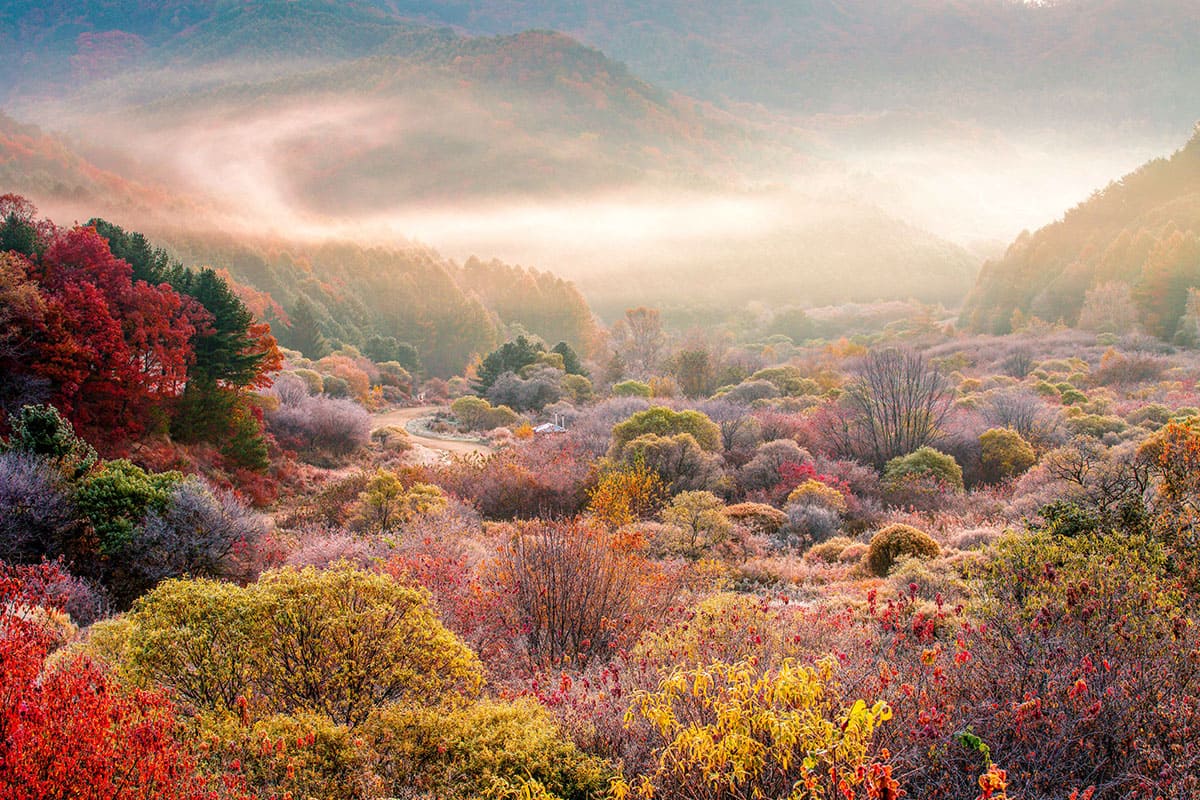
[{"x": 427, "y": 448}]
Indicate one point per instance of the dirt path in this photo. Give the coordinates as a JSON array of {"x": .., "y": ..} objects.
[{"x": 427, "y": 448}]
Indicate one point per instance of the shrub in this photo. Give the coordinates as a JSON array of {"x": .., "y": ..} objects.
[
  {"x": 701, "y": 524},
  {"x": 631, "y": 389},
  {"x": 1096, "y": 425},
  {"x": 895, "y": 542},
  {"x": 854, "y": 554},
  {"x": 576, "y": 591},
  {"x": 678, "y": 460},
  {"x": 786, "y": 379},
  {"x": 338, "y": 642},
  {"x": 37, "y": 517},
  {"x": 540, "y": 389},
  {"x": 118, "y": 496},
  {"x": 334, "y": 386},
  {"x": 386, "y": 503},
  {"x": 303, "y": 755},
  {"x": 321, "y": 425},
  {"x": 476, "y": 751},
  {"x": 811, "y": 523},
  {"x": 625, "y": 493},
  {"x": 829, "y": 551},
  {"x": 762, "y": 471},
  {"x": 477, "y": 414},
  {"x": 815, "y": 493},
  {"x": 931, "y": 577},
  {"x": 747, "y": 392},
  {"x": 201, "y": 532},
  {"x": 789, "y": 727},
  {"x": 923, "y": 462},
  {"x": 40, "y": 430},
  {"x": 760, "y": 518},
  {"x": 1082, "y": 641},
  {"x": 662, "y": 421},
  {"x": 1004, "y": 454},
  {"x": 975, "y": 538},
  {"x": 577, "y": 388}
]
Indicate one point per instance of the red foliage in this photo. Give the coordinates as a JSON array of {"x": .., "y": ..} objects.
[
  {"x": 113, "y": 348},
  {"x": 70, "y": 731}
]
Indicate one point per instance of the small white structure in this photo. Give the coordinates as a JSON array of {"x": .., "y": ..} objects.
[{"x": 550, "y": 427}]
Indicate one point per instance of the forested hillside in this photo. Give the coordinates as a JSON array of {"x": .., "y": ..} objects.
[
  {"x": 335, "y": 294},
  {"x": 1128, "y": 255}
]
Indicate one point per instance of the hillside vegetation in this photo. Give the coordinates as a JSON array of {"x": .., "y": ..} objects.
[{"x": 1136, "y": 239}]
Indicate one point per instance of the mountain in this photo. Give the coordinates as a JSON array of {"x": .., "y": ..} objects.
[
  {"x": 1142, "y": 232},
  {"x": 38, "y": 164},
  {"x": 1106, "y": 61}
]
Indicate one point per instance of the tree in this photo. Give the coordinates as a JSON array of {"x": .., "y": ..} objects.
[
  {"x": 700, "y": 518},
  {"x": 305, "y": 331},
  {"x": 694, "y": 372},
  {"x": 22, "y": 323},
  {"x": 40, "y": 430},
  {"x": 640, "y": 339},
  {"x": 1161, "y": 294},
  {"x": 1108, "y": 308},
  {"x": 897, "y": 405},
  {"x": 509, "y": 357},
  {"x": 117, "y": 497},
  {"x": 114, "y": 348},
  {"x": 571, "y": 363}
]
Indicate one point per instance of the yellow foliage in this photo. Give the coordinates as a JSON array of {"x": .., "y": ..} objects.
[
  {"x": 729, "y": 730},
  {"x": 625, "y": 494},
  {"x": 338, "y": 642},
  {"x": 814, "y": 493}
]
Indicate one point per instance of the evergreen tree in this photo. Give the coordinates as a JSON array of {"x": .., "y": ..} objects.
[
  {"x": 571, "y": 362},
  {"x": 508, "y": 357},
  {"x": 305, "y": 331}
]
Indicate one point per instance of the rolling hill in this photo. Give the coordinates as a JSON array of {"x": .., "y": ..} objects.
[{"x": 1142, "y": 232}]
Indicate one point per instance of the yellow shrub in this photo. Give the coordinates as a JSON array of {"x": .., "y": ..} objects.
[
  {"x": 894, "y": 542},
  {"x": 814, "y": 493},
  {"x": 728, "y": 730}
]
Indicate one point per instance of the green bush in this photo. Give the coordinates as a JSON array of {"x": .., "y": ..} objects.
[
  {"x": 1096, "y": 425},
  {"x": 898, "y": 541},
  {"x": 40, "y": 430},
  {"x": 477, "y": 414},
  {"x": 631, "y": 389},
  {"x": 924, "y": 462},
  {"x": 1005, "y": 454},
  {"x": 662, "y": 421},
  {"x": 117, "y": 497},
  {"x": 475, "y": 751},
  {"x": 577, "y": 388},
  {"x": 829, "y": 551}
]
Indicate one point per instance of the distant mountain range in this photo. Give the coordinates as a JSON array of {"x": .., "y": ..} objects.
[
  {"x": 1103, "y": 60},
  {"x": 1106, "y": 61}
]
